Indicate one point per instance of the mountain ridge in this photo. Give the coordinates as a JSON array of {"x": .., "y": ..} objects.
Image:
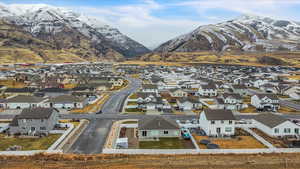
[
  {"x": 246, "y": 33},
  {"x": 67, "y": 30}
]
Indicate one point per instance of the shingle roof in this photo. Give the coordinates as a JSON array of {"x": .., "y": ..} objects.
[
  {"x": 219, "y": 114},
  {"x": 270, "y": 96},
  {"x": 36, "y": 113},
  {"x": 157, "y": 123},
  {"x": 66, "y": 99},
  {"x": 20, "y": 90},
  {"x": 26, "y": 99},
  {"x": 270, "y": 120}
]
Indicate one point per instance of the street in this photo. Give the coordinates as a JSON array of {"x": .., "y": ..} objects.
[
  {"x": 290, "y": 104},
  {"x": 93, "y": 138},
  {"x": 91, "y": 141}
]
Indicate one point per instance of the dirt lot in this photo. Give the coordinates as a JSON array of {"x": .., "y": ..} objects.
[
  {"x": 240, "y": 142},
  {"x": 260, "y": 161}
]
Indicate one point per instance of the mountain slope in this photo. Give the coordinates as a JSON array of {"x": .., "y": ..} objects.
[
  {"x": 247, "y": 33},
  {"x": 66, "y": 30}
]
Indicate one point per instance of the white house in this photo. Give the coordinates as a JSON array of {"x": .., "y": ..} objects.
[
  {"x": 217, "y": 123},
  {"x": 66, "y": 102},
  {"x": 207, "y": 90},
  {"x": 149, "y": 88},
  {"x": 189, "y": 103},
  {"x": 24, "y": 101},
  {"x": 265, "y": 102},
  {"x": 178, "y": 93},
  {"x": 275, "y": 125},
  {"x": 232, "y": 101}
]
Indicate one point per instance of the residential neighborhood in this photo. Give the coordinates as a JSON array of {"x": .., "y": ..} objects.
[{"x": 184, "y": 108}]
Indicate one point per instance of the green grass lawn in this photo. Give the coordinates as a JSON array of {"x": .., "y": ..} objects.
[
  {"x": 28, "y": 143},
  {"x": 163, "y": 143}
]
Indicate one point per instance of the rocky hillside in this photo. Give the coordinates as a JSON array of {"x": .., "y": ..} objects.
[
  {"x": 247, "y": 33},
  {"x": 63, "y": 33}
]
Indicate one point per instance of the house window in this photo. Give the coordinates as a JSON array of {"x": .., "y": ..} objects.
[
  {"x": 287, "y": 130},
  {"x": 222, "y": 121},
  {"x": 230, "y": 121},
  {"x": 144, "y": 133},
  {"x": 212, "y": 122},
  {"x": 32, "y": 128},
  {"x": 296, "y": 130},
  {"x": 276, "y": 130},
  {"x": 166, "y": 132},
  {"x": 228, "y": 129},
  {"x": 42, "y": 120},
  {"x": 42, "y": 128}
]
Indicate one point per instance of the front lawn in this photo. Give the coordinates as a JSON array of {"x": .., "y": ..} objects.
[
  {"x": 28, "y": 143},
  {"x": 163, "y": 143}
]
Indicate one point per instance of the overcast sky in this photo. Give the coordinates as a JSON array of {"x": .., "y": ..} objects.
[{"x": 152, "y": 22}]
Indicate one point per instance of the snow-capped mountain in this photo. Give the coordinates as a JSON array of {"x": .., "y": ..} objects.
[
  {"x": 246, "y": 33},
  {"x": 47, "y": 22}
]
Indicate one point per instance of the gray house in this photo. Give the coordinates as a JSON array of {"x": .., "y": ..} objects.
[
  {"x": 157, "y": 127},
  {"x": 34, "y": 121}
]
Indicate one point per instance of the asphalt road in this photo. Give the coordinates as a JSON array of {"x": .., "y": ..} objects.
[
  {"x": 290, "y": 104},
  {"x": 93, "y": 138},
  {"x": 91, "y": 141},
  {"x": 115, "y": 103}
]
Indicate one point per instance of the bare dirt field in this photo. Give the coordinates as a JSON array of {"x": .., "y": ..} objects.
[{"x": 260, "y": 161}]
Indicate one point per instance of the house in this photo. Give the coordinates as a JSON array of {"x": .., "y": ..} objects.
[
  {"x": 218, "y": 122},
  {"x": 208, "y": 90},
  {"x": 20, "y": 91},
  {"x": 54, "y": 92},
  {"x": 149, "y": 88},
  {"x": 276, "y": 125},
  {"x": 34, "y": 121},
  {"x": 157, "y": 127},
  {"x": 66, "y": 102},
  {"x": 149, "y": 101},
  {"x": 189, "y": 103},
  {"x": 293, "y": 92},
  {"x": 232, "y": 101},
  {"x": 24, "y": 101},
  {"x": 269, "y": 88},
  {"x": 265, "y": 102},
  {"x": 240, "y": 89},
  {"x": 178, "y": 93}
]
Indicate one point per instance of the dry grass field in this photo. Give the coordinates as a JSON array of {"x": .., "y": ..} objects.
[
  {"x": 247, "y": 59},
  {"x": 259, "y": 161}
]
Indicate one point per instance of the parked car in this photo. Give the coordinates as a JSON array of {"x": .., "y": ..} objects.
[{"x": 185, "y": 134}]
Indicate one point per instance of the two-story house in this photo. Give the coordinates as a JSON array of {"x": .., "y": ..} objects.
[
  {"x": 34, "y": 121},
  {"x": 217, "y": 123}
]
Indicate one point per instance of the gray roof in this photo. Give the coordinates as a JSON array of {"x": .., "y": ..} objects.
[
  {"x": 270, "y": 96},
  {"x": 270, "y": 120},
  {"x": 66, "y": 99},
  {"x": 219, "y": 114},
  {"x": 36, "y": 113},
  {"x": 157, "y": 123},
  {"x": 25, "y": 99}
]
